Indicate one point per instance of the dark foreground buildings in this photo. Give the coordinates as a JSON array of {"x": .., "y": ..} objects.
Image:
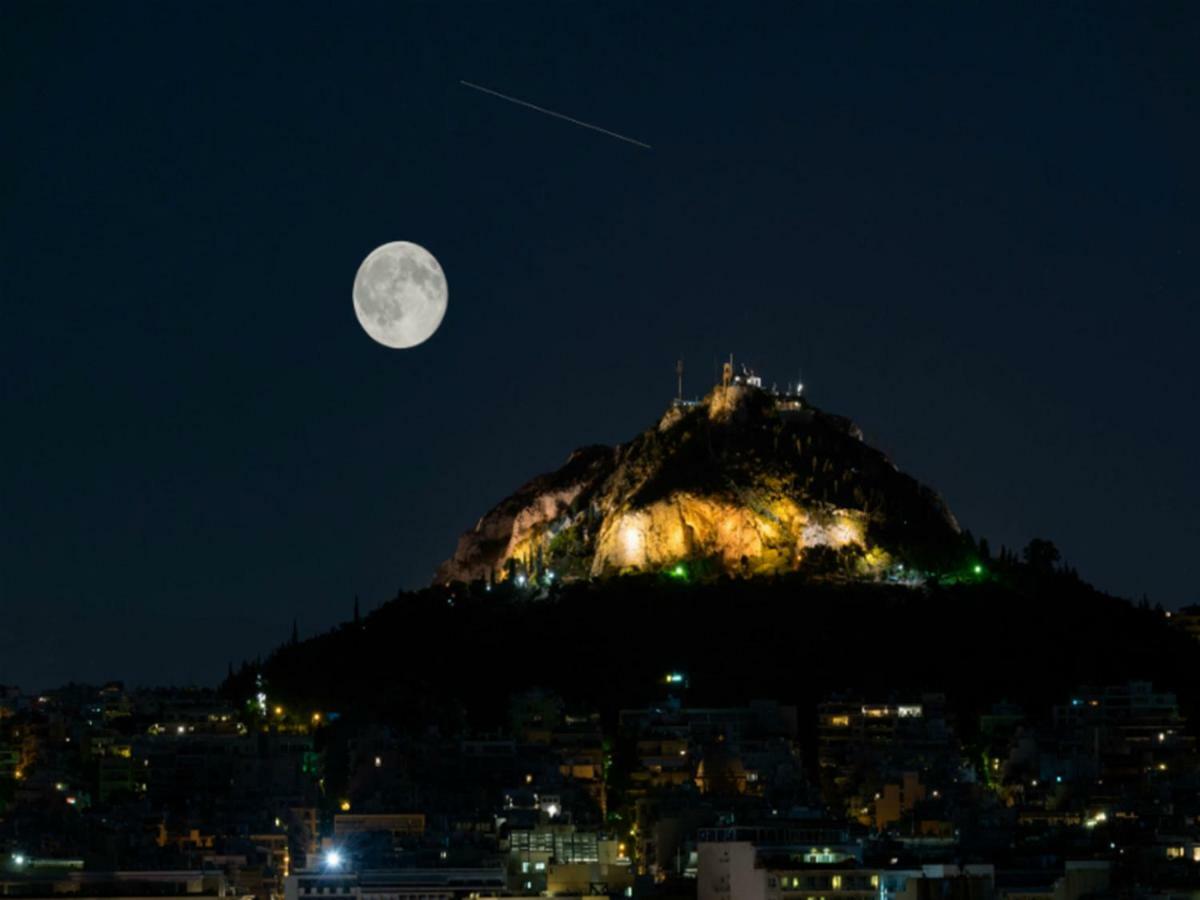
[{"x": 106, "y": 792}]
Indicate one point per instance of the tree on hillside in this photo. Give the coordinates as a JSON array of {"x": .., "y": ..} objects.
[{"x": 1041, "y": 555}]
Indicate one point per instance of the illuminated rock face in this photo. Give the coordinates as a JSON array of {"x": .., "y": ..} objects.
[
  {"x": 732, "y": 403},
  {"x": 518, "y": 525},
  {"x": 740, "y": 538},
  {"x": 739, "y": 485}
]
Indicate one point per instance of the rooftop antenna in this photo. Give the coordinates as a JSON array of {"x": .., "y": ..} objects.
[{"x": 679, "y": 377}]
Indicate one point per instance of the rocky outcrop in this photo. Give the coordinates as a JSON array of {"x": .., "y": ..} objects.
[
  {"x": 739, "y": 484},
  {"x": 518, "y": 523},
  {"x": 743, "y": 538}
]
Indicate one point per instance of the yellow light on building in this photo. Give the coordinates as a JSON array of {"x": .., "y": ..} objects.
[
  {"x": 345, "y": 806},
  {"x": 279, "y": 710}
]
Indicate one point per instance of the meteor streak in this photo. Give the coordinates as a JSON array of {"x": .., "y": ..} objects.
[{"x": 550, "y": 112}]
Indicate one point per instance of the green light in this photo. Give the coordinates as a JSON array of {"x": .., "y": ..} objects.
[
  {"x": 679, "y": 571},
  {"x": 978, "y": 569}
]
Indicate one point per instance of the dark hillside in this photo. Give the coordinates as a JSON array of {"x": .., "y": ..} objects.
[{"x": 453, "y": 657}]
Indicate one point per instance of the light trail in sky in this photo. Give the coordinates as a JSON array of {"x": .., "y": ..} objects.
[{"x": 557, "y": 115}]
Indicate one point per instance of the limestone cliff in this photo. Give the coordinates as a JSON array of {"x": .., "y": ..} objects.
[{"x": 743, "y": 483}]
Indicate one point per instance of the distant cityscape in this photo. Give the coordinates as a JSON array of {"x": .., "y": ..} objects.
[{"x": 187, "y": 792}]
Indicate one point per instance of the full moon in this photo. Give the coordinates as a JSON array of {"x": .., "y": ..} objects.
[{"x": 400, "y": 294}]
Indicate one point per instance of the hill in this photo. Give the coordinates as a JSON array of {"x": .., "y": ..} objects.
[
  {"x": 757, "y": 544},
  {"x": 744, "y": 482},
  {"x": 454, "y": 657}
]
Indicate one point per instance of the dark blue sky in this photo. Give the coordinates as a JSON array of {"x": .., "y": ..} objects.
[{"x": 974, "y": 231}]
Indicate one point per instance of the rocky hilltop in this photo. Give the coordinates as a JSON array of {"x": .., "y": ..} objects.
[{"x": 744, "y": 482}]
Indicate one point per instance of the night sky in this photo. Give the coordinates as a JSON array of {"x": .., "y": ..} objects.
[{"x": 973, "y": 231}]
